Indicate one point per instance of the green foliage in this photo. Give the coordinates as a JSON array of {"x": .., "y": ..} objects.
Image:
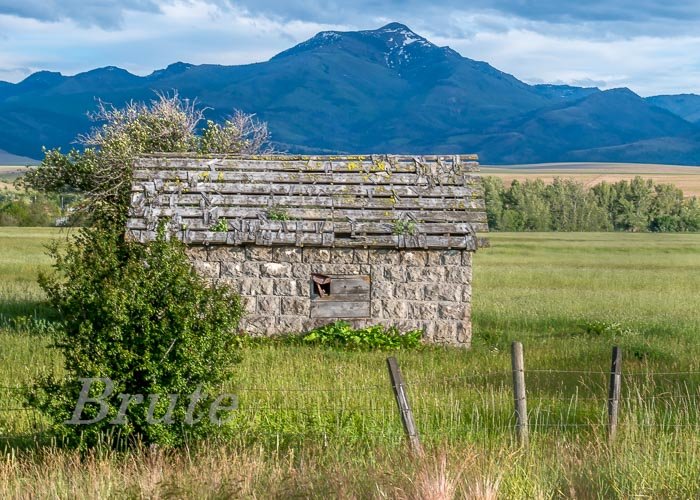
[
  {"x": 609, "y": 330},
  {"x": 404, "y": 227},
  {"x": 565, "y": 205},
  {"x": 141, "y": 316},
  {"x": 277, "y": 213},
  {"x": 342, "y": 335},
  {"x": 221, "y": 226},
  {"x": 241, "y": 133},
  {"x": 137, "y": 314},
  {"x": 28, "y": 209},
  {"x": 101, "y": 172}
]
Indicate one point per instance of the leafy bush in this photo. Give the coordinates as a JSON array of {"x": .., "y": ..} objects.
[
  {"x": 101, "y": 172},
  {"x": 140, "y": 316},
  {"x": 607, "y": 329},
  {"x": 341, "y": 335},
  {"x": 136, "y": 314}
]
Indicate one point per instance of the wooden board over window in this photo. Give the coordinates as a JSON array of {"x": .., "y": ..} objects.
[{"x": 349, "y": 297}]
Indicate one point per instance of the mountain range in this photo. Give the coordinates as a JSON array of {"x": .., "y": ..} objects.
[{"x": 387, "y": 90}]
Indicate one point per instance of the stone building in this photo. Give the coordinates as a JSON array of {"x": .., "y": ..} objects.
[{"x": 307, "y": 240}]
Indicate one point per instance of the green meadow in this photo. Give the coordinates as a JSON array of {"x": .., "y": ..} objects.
[{"x": 323, "y": 423}]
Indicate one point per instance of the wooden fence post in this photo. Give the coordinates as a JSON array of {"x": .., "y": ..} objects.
[
  {"x": 518, "y": 363},
  {"x": 614, "y": 392},
  {"x": 409, "y": 424}
]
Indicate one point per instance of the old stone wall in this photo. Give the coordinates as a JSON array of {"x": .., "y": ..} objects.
[{"x": 411, "y": 289}]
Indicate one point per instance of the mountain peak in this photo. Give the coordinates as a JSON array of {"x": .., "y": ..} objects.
[
  {"x": 394, "y": 44},
  {"x": 171, "y": 70},
  {"x": 394, "y": 27},
  {"x": 397, "y": 34},
  {"x": 43, "y": 76}
]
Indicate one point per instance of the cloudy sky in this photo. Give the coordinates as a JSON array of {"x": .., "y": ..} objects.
[{"x": 651, "y": 46}]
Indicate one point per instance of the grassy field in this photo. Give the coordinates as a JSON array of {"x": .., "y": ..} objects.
[
  {"x": 323, "y": 423},
  {"x": 590, "y": 174}
]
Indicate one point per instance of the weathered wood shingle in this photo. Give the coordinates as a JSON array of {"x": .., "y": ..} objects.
[{"x": 342, "y": 201}]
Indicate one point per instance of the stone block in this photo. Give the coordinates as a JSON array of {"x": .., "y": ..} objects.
[
  {"x": 276, "y": 270},
  {"x": 434, "y": 258},
  {"x": 251, "y": 269},
  {"x": 427, "y": 311},
  {"x": 464, "y": 333},
  {"x": 394, "y": 309},
  {"x": 414, "y": 274},
  {"x": 375, "y": 309},
  {"x": 441, "y": 332},
  {"x": 289, "y": 325},
  {"x": 458, "y": 274},
  {"x": 414, "y": 258},
  {"x": 286, "y": 254},
  {"x": 467, "y": 258},
  {"x": 384, "y": 256},
  {"x": 451, "y": 258},
  {"x": 210, "y": 270},
  {"x": 435, "y": 274},
  {"x": 232, "y": 270},
  {"x": 248, "y": 304},
  {"x": 454, "y": 333},
  {"x": 407, "y": 325},
  {"x": 408, "y": 291},
  {"x": 316, "y": 255},
  {"x": 301, "y": 271},
  {"x": 286, "y": 287},
  {"x": 336, "y": 269},
  {"x": 259, "y": 253},
  {"x": 395, "y": 274},
  {"x": 268, "y": 305},
  {"x": 382, "y": 290},
  {"x": 361, "y": 256},
  {"x": 295, "y": 306},
  {"x": 256, "y": 286},
  {"x": 452, "y": 310},
  {"x": 258, "y": 325},
  {"x": 198, "y": 253},
  {"x": 342, "y": 256},
  {"x": 443, "y": 292},
  {"x": 227, "y": 254}
]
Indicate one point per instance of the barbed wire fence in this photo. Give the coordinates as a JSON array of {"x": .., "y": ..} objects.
[{"x": 457, "y": 407}]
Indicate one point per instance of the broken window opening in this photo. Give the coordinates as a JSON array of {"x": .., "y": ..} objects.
[{"x": 322, "y": 284}]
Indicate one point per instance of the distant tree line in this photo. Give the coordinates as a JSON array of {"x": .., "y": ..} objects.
[
  {"x": 566, "y": 205},
  {"x": 28, "y": 209}
]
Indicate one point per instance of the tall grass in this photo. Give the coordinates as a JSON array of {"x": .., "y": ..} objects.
[{"x": 322, "y": 423}]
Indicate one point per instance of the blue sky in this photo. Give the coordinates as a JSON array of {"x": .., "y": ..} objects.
[{"x": 653, "y": 47}]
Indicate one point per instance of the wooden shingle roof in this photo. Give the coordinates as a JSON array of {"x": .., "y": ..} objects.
[{"x": 344, "y": 201}]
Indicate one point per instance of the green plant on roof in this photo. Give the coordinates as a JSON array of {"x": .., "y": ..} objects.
[
  {"x": 220, "y": 226},
  {"x": 277, "y": 213},
  {"x": 402, "y": 226}
]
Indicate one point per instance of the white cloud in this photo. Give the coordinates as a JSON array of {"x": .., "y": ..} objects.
[
  {"x": 648, "y": 65},
  {"x": 651, "y": 53}
]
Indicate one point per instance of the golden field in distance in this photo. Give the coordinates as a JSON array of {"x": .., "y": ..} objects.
[
  {"x": 8, "y": 174},
  {"x": 590, "y": 174}
]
